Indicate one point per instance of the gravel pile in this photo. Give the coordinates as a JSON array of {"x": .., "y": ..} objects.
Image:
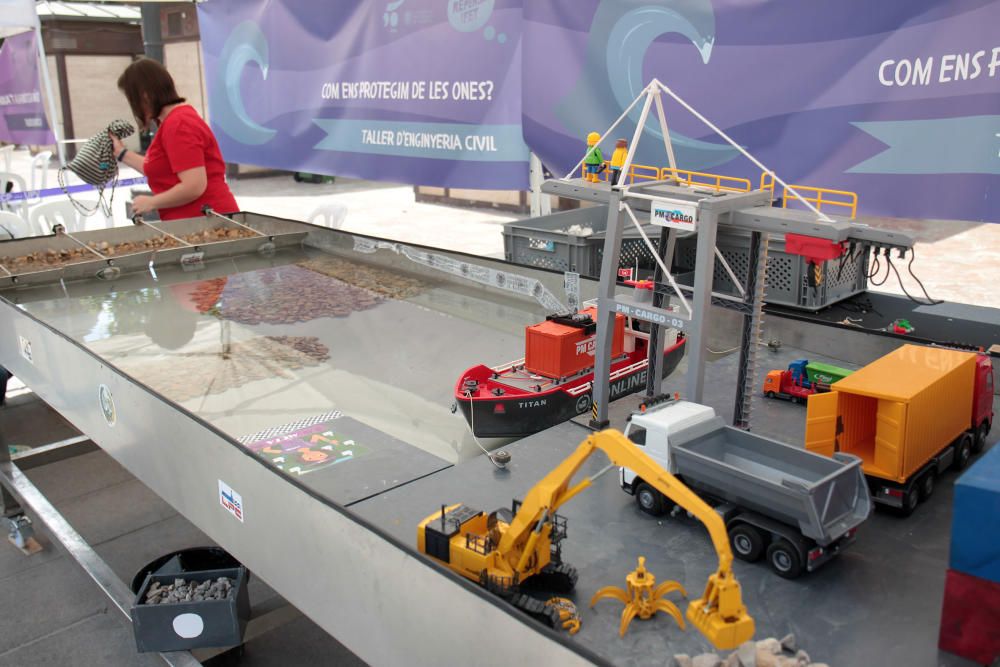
[
  {"x": 50, "y": 259},
  {"x": 217, "y": 234},
  {"x": 371, "y": 278},
  {"x": 289, "y": 295},
  {"x": 190, "y": 591},
  {"x": 199, "y": 373},
  {"x": 768, "y": 652},
  {"x": 129, "y": 247}
]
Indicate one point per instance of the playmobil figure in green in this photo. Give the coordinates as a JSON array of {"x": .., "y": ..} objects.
[{"x": 594, "y": 160}]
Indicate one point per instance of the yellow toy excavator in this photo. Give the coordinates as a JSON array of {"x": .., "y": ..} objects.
[{"x": 510, "y": 552}]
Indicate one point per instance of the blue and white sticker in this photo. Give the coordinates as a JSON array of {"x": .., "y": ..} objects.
[
  {"x": 230, "y": 500},
  {"x": 674, "y": 213}
]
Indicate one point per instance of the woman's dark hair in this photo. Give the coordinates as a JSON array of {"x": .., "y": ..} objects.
[{"x": 148, "y": 87}]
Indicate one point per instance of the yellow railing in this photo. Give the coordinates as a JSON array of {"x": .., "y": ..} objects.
[
  {"x": 643, "y": 172},
  {"x": 819, "y": 197},
  {"x": 640, "y": 172},
  {"x": 717, "y": 182}
]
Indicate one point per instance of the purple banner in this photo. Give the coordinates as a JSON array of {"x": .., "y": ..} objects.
[
  {"x": 414, "y": 91},
  {"x": 22, "y": 114},
  {"x": 898, "y": 101}
]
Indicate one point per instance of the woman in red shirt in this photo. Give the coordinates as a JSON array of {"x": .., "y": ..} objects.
[{"x": 183, "y": 165}]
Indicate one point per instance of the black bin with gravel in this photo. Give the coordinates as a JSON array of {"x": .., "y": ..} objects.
[{"x": 188, "y": 610}]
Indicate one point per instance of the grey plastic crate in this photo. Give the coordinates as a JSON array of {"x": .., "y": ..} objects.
[
  {"x": 546, "y": 243},
  {"x": 787, "y": 281}
]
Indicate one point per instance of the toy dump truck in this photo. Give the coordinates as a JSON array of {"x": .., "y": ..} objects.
[
  {"x": 802, "y": 379},
  {"x": 796, "y": 508},
  {"x": 908, "y": 416}
]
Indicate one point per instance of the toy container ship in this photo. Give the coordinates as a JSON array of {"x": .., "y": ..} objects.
[{"x": 553, "y": 381}]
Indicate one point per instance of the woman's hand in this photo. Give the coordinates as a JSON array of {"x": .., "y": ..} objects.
[
  {"x": 117, "y": 144},
  {"x": 142, "y": 204}
]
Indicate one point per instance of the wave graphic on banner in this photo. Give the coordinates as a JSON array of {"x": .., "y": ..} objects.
[
  {"x": 613, "y": 74},
  {"x": 246, "y": 44},
  {"x": 968, "y": 145}
]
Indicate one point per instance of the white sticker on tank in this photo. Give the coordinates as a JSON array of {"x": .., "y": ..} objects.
[
  {"x": 189, "y": 626},
  {"x": 25, "y": 346}
]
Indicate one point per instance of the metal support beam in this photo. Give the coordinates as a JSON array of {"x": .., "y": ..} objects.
[
  {"x": 697, "y": 342},
  {"x": 540, "y": 202},
  {"x": 750, "y": 328},
  {"x": 152, "y": 34},
  {"x": 9, "y": 507},
  {"x": 606, "y": 313},
  {"x": 654, "y": 378}
]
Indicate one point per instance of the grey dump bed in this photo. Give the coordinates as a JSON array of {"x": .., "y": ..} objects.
[{"x": 824, "y": 497}]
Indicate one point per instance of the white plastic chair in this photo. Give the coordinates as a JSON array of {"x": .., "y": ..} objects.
[
  {"x": 45, "y": 216},
  {"x": 330, "y": 214},
  {"x": 13, "y": 225},
  {"x": 40, "y": 170},
  {"x": 96, "y": 214},
  {"x": 21, "y": 207},
  {"x": 8, "y": 153}
]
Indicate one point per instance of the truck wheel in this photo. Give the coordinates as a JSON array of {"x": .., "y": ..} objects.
[
  {"x": 981, "y": 434},
  {"x": 769, "y": 394},
  {"x": 911, "y": 498},
  {"x": 963, "y": 452},
  {"x": 748, "y": 543},
  {"x": 649, "y": 499},
  {"x": 784, "y": 559},
  {"x": 927, "y": 485}
]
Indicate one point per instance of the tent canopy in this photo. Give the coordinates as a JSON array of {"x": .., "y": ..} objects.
[{"x": 16, "y": 16}]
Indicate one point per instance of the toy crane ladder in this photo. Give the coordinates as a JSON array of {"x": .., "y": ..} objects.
[{"x": 674, "y": 205}]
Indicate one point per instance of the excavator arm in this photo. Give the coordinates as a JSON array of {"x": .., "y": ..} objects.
[{"x": 719, "y": 614}]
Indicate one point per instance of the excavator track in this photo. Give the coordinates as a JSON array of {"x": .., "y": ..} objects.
[
  {"x": 554, "y": 577},
  {"x": 537, "y": 609}
]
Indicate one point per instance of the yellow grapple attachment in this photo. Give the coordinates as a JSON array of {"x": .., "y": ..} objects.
[{"x": 720, "y": 615}]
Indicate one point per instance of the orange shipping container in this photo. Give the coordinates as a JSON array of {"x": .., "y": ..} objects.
[
  {"x": 897, "y": 412},
  {"x": 560, "y": 350}
]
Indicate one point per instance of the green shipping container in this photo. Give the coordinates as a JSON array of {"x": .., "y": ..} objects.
[{"x": 825, "y": 373}]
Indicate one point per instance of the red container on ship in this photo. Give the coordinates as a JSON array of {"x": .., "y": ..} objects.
[{"x": 563, "y": 346}]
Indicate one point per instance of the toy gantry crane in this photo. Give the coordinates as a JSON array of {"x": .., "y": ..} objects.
[
  {"x": 509, "y": 553},
  {"x": 675, "y": 204}
]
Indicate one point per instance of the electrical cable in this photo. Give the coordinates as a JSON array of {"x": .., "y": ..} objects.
[
  {"x": 929, "y": 302},
  {"x": 909, "y": 267},
  {"x": 878, "y": 269},
  {"x": 472, "y": 426}
]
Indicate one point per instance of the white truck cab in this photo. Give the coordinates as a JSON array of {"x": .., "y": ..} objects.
[{"x": 651, "y": 430}]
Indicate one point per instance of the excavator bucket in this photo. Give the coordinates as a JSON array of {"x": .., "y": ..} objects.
[{"x": 720, "y": 615}]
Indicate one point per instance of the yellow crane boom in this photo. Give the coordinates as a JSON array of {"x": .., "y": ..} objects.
[
  {"x": 719, "y": 613},
  {"x": 503, "y": 555}
]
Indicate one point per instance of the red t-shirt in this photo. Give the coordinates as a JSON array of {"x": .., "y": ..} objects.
[{"x": 184, "y": 141}]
